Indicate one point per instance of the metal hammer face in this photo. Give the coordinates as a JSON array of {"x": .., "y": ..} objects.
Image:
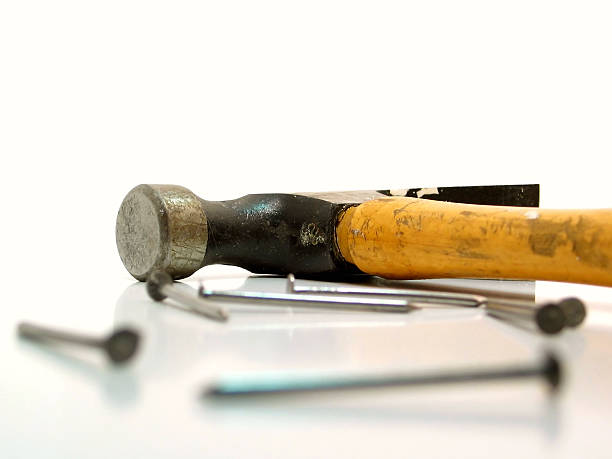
[{"x": 168, "y": 227}]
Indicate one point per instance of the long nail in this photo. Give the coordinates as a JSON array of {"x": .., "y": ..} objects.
[
  {"x": 316, "y": 301},
  {"x": 119, "y": 346},
  {"x": 549, "y": 369},
  {"x": 454, "y": 299},
  {"x": 549, "y": 318}
]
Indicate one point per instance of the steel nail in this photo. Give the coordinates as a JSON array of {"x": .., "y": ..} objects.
[
  {"x": 549, "y": 369},
  {"x": 549, "y": 318},
  {"x": 119, "y": 346},
  {"x": 455, "y": 299},
  {"x": 317, "y": 301},
  {"x": 160, "y": 286}
]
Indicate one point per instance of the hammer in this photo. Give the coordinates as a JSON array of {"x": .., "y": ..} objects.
[{"x": 170, "y": 228}]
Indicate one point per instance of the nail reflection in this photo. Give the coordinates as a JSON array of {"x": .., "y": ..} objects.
[
  {"x": 543, "y": 415},
  {"x": 177, "y": 341},
  {"x": 119, "y": 385}
]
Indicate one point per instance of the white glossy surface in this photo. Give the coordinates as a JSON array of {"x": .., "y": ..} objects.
[{"x": 76, "y": 405}]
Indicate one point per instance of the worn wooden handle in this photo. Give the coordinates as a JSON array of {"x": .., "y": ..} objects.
[{"x": 408, "y": 238}]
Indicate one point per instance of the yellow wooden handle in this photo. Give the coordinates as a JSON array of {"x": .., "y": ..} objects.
[{"x": 408, "y": 238}]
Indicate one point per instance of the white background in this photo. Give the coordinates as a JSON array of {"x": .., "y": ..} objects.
[{"x": 229, "y": 98}]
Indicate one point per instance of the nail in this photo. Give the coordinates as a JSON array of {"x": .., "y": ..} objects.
[
  {"x": 549, "y": 370},
  {"x": 316, "y": 301},
  {"x": 119, "y": 346},
  {"x": 160, "y": 286},
  {"x": 549, "y": 318},
  {"x": 454, "y": 299}
]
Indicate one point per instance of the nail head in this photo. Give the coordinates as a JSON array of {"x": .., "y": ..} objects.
[
  {"x": 155, "y": 282},
  {"x": 122, "y": 345}
]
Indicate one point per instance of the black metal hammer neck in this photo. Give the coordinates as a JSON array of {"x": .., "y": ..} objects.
[{"x": 274, "y": 233}]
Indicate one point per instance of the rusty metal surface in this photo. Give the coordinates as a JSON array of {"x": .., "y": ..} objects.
[{"x": 161, "y": 227}]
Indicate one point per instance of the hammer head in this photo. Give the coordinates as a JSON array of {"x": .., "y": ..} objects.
[
  {"x": 167, "y": 227},
  {"x": 161, "y": 227}
]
